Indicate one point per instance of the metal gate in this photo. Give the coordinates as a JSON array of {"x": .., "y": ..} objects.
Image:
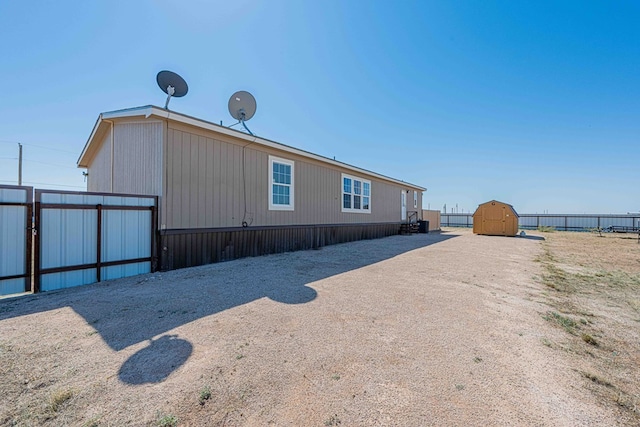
[
  {"x": 66, "y": 238},
  {"x": 15, "y": 239},
  {"x": 87, "y": 237}
]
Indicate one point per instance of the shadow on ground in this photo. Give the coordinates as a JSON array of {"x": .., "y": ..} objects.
[
  {"x": 140, "y": 309},
  {"x": 154, "y": 363},
  {"x": 526, "y": 236}
]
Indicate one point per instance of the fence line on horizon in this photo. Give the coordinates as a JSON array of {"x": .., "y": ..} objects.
[{"x": 562, "y": 222}]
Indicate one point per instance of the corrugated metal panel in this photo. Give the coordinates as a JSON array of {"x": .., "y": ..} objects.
[
  {"x": 551, "y": 221},
  {"x": 68, "y": 237},
  {"x": 205, "y": 188},
  {"x": 581, "y": 222},
  {"x": 127, "y": 201},
  {"x": 67, "y": 279},
  {"x": 15, "y": 238},
  {"x": 12, "y": 244},
  {"x": 126, "y": 235},
  {"x": 126, "y": 270},
  {"x": 194, "y": 248},
  {"x": 13, "y": 195},
  {"x": 528, "y": 222},
  {"x": 617, "y": 222},
  {"x": 106, "y": 199},
  {"x": 570, "y": 222},
  {"x": 11, "y": 286},
  {"x": 456, "y": 220}
]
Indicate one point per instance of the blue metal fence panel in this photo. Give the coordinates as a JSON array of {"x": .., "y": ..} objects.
[
  {"x": 15, "y": 241},
  {"x": 88, "y": 237},
  {"x": 569, "y": 222}
]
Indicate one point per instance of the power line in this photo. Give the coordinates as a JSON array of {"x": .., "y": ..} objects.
[
  {"x": 50, "y": 164},
  {"x": 49, "y": 148},
  {"x": 44, "y": 183},
  {"x": 39, "y": 146}
]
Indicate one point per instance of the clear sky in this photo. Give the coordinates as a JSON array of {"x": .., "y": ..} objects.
[{"x": 534, "y": 103}]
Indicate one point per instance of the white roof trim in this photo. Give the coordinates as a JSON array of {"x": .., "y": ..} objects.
[
  {"x": 151, "y": 110},
  {"x": 93, "y": 133}
]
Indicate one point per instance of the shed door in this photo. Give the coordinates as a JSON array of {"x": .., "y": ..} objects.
[
  {"x": 493, "y": 218},
  {"x": 404, "y": 205}
]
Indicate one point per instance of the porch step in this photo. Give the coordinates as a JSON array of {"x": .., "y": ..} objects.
[{"x": 409, "y": 228}]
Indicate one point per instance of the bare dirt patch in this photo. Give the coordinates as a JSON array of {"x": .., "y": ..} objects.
[{"x": 438, "y": 329}]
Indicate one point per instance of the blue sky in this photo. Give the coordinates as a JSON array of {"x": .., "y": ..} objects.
[{"x": 535, "y": 103}]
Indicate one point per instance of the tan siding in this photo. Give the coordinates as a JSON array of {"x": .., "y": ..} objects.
[
  {"x": 225, "y": 170},
  {"x": 209, "y": 165},
  {"x": 185, "y": 171},
  {"x": 205, "y": 186},
  {"x": 137, "y": 158},
  {"x": 236, "y": 188},
  {"x": 257, "y": 181},
  {"x": 216, "y": 186},
  {"x": 190, "y": 177},
  {"x": 172, "y": 189},
  {"x": 162, "y": 218},
  {"x": 433, "y": 217},
  {"x": 99, "y": 169},
  {"x": 201, "y": 162}
]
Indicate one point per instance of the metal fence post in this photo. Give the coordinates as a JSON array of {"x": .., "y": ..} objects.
[{"x": 99, "y": 243}]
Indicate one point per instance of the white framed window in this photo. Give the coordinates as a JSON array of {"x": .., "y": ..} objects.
[
  {"x": 281, "y": 184},
  {"x": 356, "y": 194},
  {"x": 415, "y": 199}
]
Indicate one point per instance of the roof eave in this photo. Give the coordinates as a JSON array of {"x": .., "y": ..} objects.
[
  {"x": 166, "y": 114},
  {"x": 151, "y": 110},
  {"x": 81, "y": 163}
]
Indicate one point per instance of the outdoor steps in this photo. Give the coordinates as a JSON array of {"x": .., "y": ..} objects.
[{"x": 409, "y": 228}]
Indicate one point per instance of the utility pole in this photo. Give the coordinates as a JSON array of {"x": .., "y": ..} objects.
[{"x": 19, "y": 164}]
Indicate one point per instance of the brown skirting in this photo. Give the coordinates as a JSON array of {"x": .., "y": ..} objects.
[{"x": 192, "y": 247}]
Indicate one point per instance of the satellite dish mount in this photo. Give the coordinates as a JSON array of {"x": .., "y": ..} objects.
[
  {"x": 242, "y": 107},
  {"x": 171, "y": 84}
]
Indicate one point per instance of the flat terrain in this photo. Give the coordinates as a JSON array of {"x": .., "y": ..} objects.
[{"x": 440, "y": 329}]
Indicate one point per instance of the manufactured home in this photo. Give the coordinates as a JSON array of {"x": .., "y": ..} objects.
[{"x": 225, "y": 194}]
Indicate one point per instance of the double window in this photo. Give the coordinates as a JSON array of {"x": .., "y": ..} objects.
[
  {"x": 281, "y": 184},
  {"x": 356, "y": 194}
]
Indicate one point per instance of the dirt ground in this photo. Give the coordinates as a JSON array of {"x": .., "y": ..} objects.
[{"x": 425, "y": 330}]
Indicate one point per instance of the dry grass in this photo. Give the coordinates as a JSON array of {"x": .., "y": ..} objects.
[
  {"x": 594, "y": 284},
  {"x": 58, "y": 399}
]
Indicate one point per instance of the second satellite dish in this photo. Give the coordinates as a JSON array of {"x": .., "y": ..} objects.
[
  {"x": 171, "y": 84},
  {"x": 242, "y": 106}
]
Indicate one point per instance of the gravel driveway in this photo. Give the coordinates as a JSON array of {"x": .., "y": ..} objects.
[{"x": 436, "y": 329}]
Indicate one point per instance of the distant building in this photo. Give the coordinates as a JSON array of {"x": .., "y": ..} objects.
[{"x": 495, "y": 218}]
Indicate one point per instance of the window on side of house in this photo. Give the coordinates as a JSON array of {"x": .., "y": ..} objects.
[
  {"x": 281, "y": 184},
  {"x": 415, "y": 199},
  {"x": 356, "y": 194}
]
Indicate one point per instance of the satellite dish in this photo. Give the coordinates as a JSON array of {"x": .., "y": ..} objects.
[
  {"x": 242, "y": 107},
  {"x": 171, "y": 84}
]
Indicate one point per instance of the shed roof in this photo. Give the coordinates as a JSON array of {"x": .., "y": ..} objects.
[
  {"x": 498, "y": 201},
  {"x": 152, "y": 111}
]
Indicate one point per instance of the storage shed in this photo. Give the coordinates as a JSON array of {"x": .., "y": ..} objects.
[
  {"x": 225, "y": 194},
  {"x": 495, "y": 218}
]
